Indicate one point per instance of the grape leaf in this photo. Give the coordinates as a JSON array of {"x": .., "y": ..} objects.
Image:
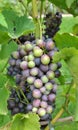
[
  {"x": 7, "y": 49},
  {"x": 4, "y": 95},
  {"x": 3, "y": 64},
  {"x": 15, "y": 25},
  {"x": 25, "y": 122},
  {"x": 66, "y": 126},
  {"x": 68, "y": 22},
  {"x": 66, "y": 77},
  {"x": 67, "y": 40},
  {"x": 65, "y": 54},
  {"x": 4, "y": 119},
  {"x": 75, "y": 29},
  {"x": 68, "y": 2},
  {"x": 4, "y": 38}
]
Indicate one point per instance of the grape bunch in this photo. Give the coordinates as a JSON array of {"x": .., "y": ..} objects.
[
  {"x": 29, "y": 37},
  {"x": 52, "y": 23},
  {"x": 35, "y": 75}
]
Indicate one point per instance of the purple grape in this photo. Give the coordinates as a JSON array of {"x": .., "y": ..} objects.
[
  {"x": 53, "y": 66},
  {"x": 26, "y": 73},
  {"x": 23, "y": 65},
  {"x": 44, "y": 104},
  {"x": 36, "y": 103},
  {"x": 50, "y": 45},
  {"x": 44, "y": 68},
  {"x": 37, "y": 61},
  {"x": 44, "y": 98},
  {"x": 52, "y": 97},
  {"x": 12, "y": 62},
  {"x": 36, "y": 93},
  {"x": 57, "y": 73},
  {"x": 29, "y": 107},
  {"x": 15, "y": 110}
]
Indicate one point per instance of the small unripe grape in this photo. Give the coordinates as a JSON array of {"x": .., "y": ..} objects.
[
  {"x": 44, "y": 79},
  {"x": 15, "y": 54},
  {"x": 53, "y": 67},
  {"x": 45, "y": 59},
  {"x": 41, "y": 112},
  {"x": 30, "y": 57},
  {"x": 12, "y": 62},
  {"x": 37, "y": 52},
  {"x": 49, "y": 86},
  {"x": 38, "y": 83},
  {"x": 31, "y": 64},
  {"x": 40, "y": 43},
  {"x": 34, "y": 71},
  {"x": 28, "y": 46},
  {"x": 50, "y": 74},
  {"x": 30, "y": 80},
  {"x": 34, "y": 109}
]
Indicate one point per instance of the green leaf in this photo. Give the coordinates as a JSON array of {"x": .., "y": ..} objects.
[
  {"x": 66, "y": 126},
  {"x": 4, "y": 119},
  {"x": 66, "y": 40},
  {"x": 26, "y": 122},
  {"x": 3, "y": 64},
  {"x": 65, "y": 54},
  {"x": 75, "y": 29},
  {"x": 15, "y": 25},
  {"x": 66, "y": 77},
  {"x": 69, "y": 2},
  {"x": 4, "y": 95},
  {"x": 7, "y": 49},
  {"x": 4, "y": 38},
  {"x": 59, "y": 3},
  {"x": 68, "y": 22}
]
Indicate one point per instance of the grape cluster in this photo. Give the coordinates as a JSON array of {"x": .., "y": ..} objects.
[
  {"x": 29, "y": 37},
  {"x": 52, "y": 23},
  {"x": 34, "y": 72}
]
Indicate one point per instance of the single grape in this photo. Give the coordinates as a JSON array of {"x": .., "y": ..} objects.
[
  {"x": 44, "y": 68},
  {"x": 34, "y": 71},
  {"x": 49, "y": 109},
  {"x": 30, "y": 80},
  {"x": 44, "y": 98},
  {"x": 31, "y": 64},
  {"x": 50, "y": 74},
  {"x": 38, "y": 83},
  {"x": 52, "y": 97},
  {"x": 37, "y": 52},
  {"x": 45, "y": 59},
  {"x": 48, "y": 86},
  {"x": 43, "y": 104},
  {"x": 36, "y": 103},
  {"x": 41, "y": 112},
  {"x": 23, "y": 65},
  {"x": 44, "y": 79},
  {"x": 36, "y": 93}
]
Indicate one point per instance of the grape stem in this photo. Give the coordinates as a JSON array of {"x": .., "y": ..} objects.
[
  {"x": 38, "y": 30},
  {"x": 41, "y": 9},
  {"x": 59, "y": 114},
  {"x": 24, "y": 96}
]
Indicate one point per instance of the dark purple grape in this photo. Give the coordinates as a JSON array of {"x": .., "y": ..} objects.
[
  {"x": 37, "y": 61},
  {"x": 44, "y": 68},
  {"x": 11, "y": 104},
  {"x": 57, "y": 73},
  {"x": 15, "y": 110},
  {"x": 20, "y": 105}
]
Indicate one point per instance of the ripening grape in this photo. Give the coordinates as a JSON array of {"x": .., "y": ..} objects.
[{"x": 34, "y": 72}]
